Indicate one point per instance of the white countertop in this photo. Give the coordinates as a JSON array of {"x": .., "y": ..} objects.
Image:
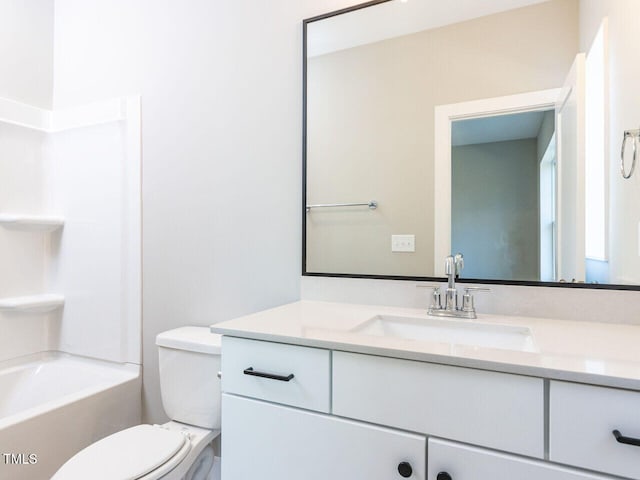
[{"x": 588, "y": 352}]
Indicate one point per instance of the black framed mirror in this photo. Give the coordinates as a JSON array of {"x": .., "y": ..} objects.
[{"x": 484, "y": 128}]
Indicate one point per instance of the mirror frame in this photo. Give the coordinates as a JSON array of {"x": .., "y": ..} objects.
[{"x": 529, "y": 283}]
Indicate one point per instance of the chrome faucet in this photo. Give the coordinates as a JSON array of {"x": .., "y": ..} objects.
[{"x": 453, "y": 265}]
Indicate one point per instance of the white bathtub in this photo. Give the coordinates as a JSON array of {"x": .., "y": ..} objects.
[{"x": 52, "y": 405}]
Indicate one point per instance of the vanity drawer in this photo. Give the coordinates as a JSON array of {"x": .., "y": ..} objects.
[
  {"x": 581, "y": 421},
  {"x": 491, "y": 409},
  {"x": 287, "y": 374},
  {"x": 464, "y": 462}
]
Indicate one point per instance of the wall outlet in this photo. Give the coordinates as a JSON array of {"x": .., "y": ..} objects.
[{"x": 403, "y": 243}]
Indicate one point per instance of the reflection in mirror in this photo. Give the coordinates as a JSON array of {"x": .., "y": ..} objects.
[{"x": 480, "y": 127}]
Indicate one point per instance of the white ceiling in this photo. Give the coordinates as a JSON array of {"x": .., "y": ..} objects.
[
  {"x": 396, "y": 18},
  {"x": 500, "y": 128}
]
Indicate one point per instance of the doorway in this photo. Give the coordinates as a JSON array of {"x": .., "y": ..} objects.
[{"x": 495, "y": 185}]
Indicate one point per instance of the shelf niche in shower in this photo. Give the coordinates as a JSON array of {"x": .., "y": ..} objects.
[
  {"x": 53, "y": 121},
  {"x": 32, "y": 304},
  {"x": 31, "y": 223}
]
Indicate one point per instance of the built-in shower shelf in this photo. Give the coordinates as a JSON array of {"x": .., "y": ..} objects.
[
  {"x": 31, "y": 223},
  {"x": 32, "y": 303},
  {"x": 52, "y": 121}
]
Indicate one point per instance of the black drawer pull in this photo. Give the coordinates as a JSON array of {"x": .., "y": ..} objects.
[
  {"x": 626, "y": 440},
  {"x": 282, "y": 378}
]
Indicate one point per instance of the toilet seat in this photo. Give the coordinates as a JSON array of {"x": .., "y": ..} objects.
[{"x": 142, "y": 452}]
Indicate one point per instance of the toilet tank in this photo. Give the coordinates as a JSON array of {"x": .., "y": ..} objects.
[{"x": 189, "y": 360}]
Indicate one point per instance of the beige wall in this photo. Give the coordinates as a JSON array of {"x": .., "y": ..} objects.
[{"x": 371, "y": 123}]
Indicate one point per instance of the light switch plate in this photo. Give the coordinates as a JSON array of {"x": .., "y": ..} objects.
[{"x": 403, "y": 243}]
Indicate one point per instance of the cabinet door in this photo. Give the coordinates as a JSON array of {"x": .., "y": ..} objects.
[
  {"x": 582, "y": 419},
  {"x": 452, "y": 461},
  {"x": 272, "y": 442}
]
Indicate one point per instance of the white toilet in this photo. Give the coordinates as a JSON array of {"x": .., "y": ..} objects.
[{"x": 180, "y": 449}]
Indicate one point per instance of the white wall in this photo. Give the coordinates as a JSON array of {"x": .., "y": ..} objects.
[
  {"x": 221, "y": 90},
  {"x": 26, "y": 50}
]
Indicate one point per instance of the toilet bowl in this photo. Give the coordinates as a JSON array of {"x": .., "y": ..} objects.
[{"x": 180, "y": 449}]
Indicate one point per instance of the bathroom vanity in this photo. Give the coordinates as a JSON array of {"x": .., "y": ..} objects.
[{"x": 320, "y": 390}]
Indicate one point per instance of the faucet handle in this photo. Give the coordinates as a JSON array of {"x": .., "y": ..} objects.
[
  {"x": 467, "y": 298},
  {"x": 476, "y": 289},
  {"x": 436, "y": 297}
]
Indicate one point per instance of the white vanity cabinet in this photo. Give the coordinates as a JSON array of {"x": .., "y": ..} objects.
[{"x": 297, "y": 412}]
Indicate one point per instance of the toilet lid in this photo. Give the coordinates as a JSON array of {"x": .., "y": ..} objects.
[{"x": 125, "y": 455}]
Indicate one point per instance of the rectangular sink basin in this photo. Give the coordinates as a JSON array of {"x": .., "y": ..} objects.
[{"x": 456, "y": 332}]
